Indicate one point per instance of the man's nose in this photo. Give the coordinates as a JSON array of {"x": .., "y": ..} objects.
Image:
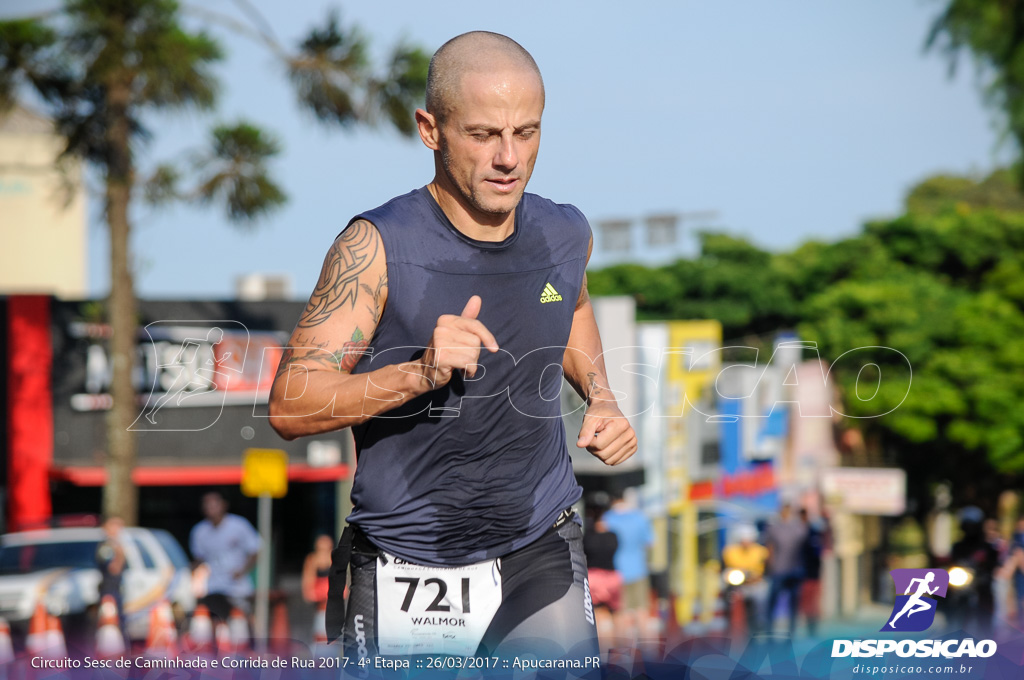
[{"x": 506, "y": 157}]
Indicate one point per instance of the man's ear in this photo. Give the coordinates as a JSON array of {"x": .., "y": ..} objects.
[{"x": 427, "y": 125}]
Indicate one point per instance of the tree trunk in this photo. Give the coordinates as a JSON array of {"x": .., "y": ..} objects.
[{"x": 120, "y": 496}]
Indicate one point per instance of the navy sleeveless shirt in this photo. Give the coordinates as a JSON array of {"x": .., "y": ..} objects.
[{"x": 477, "y": 468}]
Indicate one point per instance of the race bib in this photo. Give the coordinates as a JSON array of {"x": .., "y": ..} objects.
[{"x": 434, "y": 610}]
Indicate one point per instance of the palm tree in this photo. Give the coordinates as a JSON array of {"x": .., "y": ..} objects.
[{"x": 99, "y": 67}]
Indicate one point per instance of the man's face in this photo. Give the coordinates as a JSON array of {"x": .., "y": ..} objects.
[
  {"x": 490, "y": 138},
  {"x": 214, "y": 507}
]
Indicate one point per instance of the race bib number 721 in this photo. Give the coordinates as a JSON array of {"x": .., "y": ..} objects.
[{"x": 434, "y": 610}]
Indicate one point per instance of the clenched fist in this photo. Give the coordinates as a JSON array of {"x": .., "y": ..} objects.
[{"x": 607, "y": 434}]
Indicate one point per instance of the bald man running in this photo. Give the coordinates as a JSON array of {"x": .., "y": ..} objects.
[{"x": 436, "y": 332}]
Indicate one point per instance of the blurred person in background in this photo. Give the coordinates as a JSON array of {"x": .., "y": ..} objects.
[
  {"x": 975, "y": 602},
  {"x": 110, "y": 561},
  {"x": 1018, "y": 533},
  {"x": 1000, "y": 577},
  {"x": 990, "y": 527},
  {"x": 635, "y": 535},
  {"x": 810, "y": 590},
  {"x": 1015, "y": 568},
  {"x": 599, "y": 546},
  {"x": 316, "y": 569},
  {"x": 751, "y": 558},
  {"x": 229, "y": 546},
  {"x": 785, "y": 539}
]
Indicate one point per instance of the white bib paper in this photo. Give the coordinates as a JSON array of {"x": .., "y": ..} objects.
[{"x": 434, "y": 610}]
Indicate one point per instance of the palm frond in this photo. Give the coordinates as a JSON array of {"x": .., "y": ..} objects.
[
  {"x": 330, "y": 70},
  {"x": 234, "y": 170}
]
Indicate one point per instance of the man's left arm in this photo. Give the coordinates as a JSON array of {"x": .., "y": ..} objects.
[
  {"x": 249, "y": 565},
  {"x": 117, "y": 563},
  {"x": 252, "y": 545},
  {"x": 605, "y": 433}
]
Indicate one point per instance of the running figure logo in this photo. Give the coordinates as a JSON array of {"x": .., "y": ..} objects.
[{"x": 914, "y": 610}]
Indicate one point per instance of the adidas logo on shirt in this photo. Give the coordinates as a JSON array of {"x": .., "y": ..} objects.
[{"x": 550, "y": 294}]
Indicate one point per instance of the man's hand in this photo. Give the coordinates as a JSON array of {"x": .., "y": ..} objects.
[
  {"x": 607, "y": 434},
  {"x": 249, "y": 565},
  {"x": 455, "y": 345}
]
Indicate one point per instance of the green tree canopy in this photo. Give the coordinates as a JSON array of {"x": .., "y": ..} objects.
[
  {"x": 942, "y": 285},
  {"x": 992, "y": 31},
  {"x": 732, "y": 281}
]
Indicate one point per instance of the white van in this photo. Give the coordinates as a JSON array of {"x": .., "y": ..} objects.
[{"x": 58, "y": 568}]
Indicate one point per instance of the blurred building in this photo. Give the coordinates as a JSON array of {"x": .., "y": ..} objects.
[
  {"x": 725, "y": 443},
  {"x": 658, "y": 238},
  {"x": 680, "y": 360},
  {"x": 204, "y": 370},
  {"x": 43, "y": 225},
  {"x": 256, "y": 286}
]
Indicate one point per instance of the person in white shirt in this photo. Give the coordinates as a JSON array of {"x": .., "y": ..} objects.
[{"x": 229, "y": 546}]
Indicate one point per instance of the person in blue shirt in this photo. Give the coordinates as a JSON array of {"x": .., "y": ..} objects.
[{"x": 636, "y": 535}]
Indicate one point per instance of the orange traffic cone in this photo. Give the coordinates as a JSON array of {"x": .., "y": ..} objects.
[
  {"x": 199, "y": 638},
  {"x": 55, "y": 646},
  {"x": 109, "y": 640},
  {"x": 35, "y": 642},
  {"x": 163, "y": 636},
  {"x": 238, "y": 625},
  {"x": 6, "y": 646},
  {"x": 280, "y": 631}
]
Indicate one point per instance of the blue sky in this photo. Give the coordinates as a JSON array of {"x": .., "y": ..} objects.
[{"x": 791, "y": 119}]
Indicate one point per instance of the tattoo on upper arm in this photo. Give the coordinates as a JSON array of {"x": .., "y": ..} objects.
[
  {"x": 379, "y": 297},
  {"x": 316, "y": 355},
  {"x": 351, "y": 352},
  {"x": 350, "y": 256}
]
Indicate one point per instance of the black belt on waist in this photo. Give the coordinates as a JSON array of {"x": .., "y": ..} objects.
[{"x": 337, "y": 577}]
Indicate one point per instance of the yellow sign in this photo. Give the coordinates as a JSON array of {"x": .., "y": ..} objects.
[
  {"x": 265, "y": 471},
  {"x": 696, "y": 363}
]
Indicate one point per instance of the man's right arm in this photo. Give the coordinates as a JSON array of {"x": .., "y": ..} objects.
[
  {"x": 315, "y": 391},
  {"x": 194, "y": 546}
]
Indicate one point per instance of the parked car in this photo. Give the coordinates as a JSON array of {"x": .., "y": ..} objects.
[{"x": 58, "y": 568}]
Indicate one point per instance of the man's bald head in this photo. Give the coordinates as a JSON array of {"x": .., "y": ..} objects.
[{"x": 473, "y": 52}]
